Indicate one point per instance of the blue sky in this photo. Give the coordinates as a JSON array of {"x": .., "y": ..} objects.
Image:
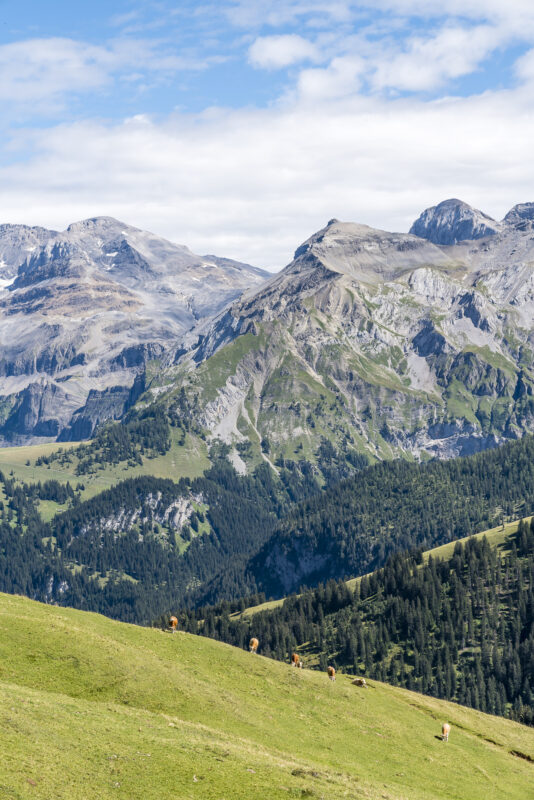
[{"x": 241, "y": 127}]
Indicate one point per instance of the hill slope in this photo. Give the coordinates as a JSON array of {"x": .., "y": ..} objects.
[
  {"x": 91, "y": 708},
  {"x": 456, "y": 622}
]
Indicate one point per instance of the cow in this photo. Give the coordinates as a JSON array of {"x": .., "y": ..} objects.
[
  {"x": 295, "y": 660},
  {"x": 360, "y": 682},
  {"x": 253, "y": 645},
  {"x": 173, "y": 622},
  {"x": 300, "y": 665},
  {"x": 331, "y": 673},
  {"x": 445, "y": 730}
]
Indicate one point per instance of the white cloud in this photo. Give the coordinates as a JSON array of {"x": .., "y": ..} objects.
[
  {"x": 252, "y": 184},
  {"x": 42, "y": 71},
  {"x": 340, "y": 78},
  {"x": 275, "y": 52},
  {"x": 37, "y": 69},
  {"x": 525, "y": 66},
  {"x": 429, "y": 62},
  {"x": 512, "y": 14}
]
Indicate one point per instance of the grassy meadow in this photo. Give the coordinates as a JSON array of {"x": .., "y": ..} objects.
[
  {"x": 189, "y": 459},
  {"x": 92, "y": 708}
]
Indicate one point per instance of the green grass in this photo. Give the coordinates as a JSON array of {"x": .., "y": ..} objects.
[
  {"x": 493, "y": 358},
  {"x": 190, "y": 459},
  {"x": 459, "y": 402},
  {"x": 214, "y": 372},
  {"x": 91, "y": 708},
  {"x": 497, "y": 537}
]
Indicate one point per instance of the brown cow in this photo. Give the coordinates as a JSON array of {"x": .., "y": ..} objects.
[
  {"x": 331, "y": 673},
  {"x": 445, "y": 730},
  {"x": 253, "y": 645},
  {"x": 295, "y": 659},
  {"x": 360, "y": 682},
  {"x": 173, "y": 622}
]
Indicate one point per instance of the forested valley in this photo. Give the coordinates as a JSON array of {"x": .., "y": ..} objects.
[
  {"x": 353, "y": 526},
  {"x": 460, "y": 628},
  {"x": 148, "y": 545}
]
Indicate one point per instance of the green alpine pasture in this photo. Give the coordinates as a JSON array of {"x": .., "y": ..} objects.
[
  {"x": 190, "y": 459},
  {"x": 91, "y": 708}
]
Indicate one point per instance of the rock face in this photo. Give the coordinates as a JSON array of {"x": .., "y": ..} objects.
[
  {"x": 374, "y": 343},
  {"x": 369, "y": 344},
  {"x": 83, "y": 311},
  {"x": 521, "y": 216},
  {"x": 452, "y": 221}
]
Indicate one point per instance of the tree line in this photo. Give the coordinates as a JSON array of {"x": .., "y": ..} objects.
[{"x": 461, "y": 629}]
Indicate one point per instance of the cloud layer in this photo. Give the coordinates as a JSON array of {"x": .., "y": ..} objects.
[
  {"x": 368, "y": 118},
  {"x": 253, "y": 184}
]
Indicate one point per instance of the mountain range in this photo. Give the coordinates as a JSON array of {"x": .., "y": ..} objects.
[
  {"x": 377, "y": 343},
  {"x": 81, "y": 313},
  {"x": 369, "y": 344}
]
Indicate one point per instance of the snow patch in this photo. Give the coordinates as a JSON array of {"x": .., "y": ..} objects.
[{"x": 4, "y": 283}]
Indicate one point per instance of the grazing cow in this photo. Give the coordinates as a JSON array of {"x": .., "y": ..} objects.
[
  {"x": 173, "y": 622},
  {"x": 295, "y": 660},
  {"x": 360, "y": 682},
  {"x": 331, "y": 673},
  {"x": 253, "y": 645},
  {"x": 445, "y": 730}
]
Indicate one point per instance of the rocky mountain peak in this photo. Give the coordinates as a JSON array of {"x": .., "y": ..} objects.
[
  {"x": 17, "y": 244},
  {"x": 521, "y": 216},
  {"x": 82, "y": 310},
  {"x": 96, "y": 223},
  {"x": 454, "y": 221},
  {"x": 366, "y": 253}
]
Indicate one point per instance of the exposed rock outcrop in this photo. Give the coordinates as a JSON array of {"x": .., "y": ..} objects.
[
  {"x": 380, "y": 343},
  {"x": 453, "y": 221},
  {"x": 82, "y": 312}
]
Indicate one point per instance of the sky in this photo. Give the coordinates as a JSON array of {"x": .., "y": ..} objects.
[{"x": 241, "y": 127}]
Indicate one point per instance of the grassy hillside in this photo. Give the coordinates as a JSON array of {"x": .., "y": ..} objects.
[
  {"x": 186, "y": 457},
  {"x": 91, "y": 708},
  {"x": 456, "y": 622}
]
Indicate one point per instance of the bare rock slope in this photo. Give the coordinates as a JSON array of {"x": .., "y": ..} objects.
[
  {"x": 84, "y": 310},
  {"x": 376, "y": 343}
]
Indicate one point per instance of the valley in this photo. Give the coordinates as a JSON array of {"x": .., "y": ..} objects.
[{"x": 334, "y": 421}]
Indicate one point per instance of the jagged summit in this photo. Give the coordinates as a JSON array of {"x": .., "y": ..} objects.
[
  {"x": 82, "y": 310},
  {"x": 102, "y": 221},
  {"x": 453, "y": 221},
  {"x": 520, "y": 216}
]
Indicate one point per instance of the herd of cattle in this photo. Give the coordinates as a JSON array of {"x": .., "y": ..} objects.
[{"x": 296, "y": 661}]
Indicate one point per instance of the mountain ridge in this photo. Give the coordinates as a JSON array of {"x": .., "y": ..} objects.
[
  {"x": 426, "y": 349},
  {"x": 388, "y": 342},
  {"x": 82, "y": 311}
]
